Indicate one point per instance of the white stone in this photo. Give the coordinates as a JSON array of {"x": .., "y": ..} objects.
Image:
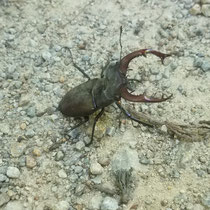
[
  {"x": 13, "y": 172},
  {"x": 205, "y": 9},
  {"x": 109, "y": 204},
  {"x": 62, "y": 174},
  {"x": 62, "y": 205},
  {"x": 96, "y": 168},
  {"x": 195, "y": 10},
  {"x": 95, "y": 202},
  {"x": 14, "y": 205},
  {"x": 205, "y": 1}
]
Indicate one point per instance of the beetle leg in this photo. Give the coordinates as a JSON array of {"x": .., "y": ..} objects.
[
  {"x": 141, "y": 98},
  {"x": 127, "y": 59},
  {"x": 86, "y": 118},
  {"x": 75, "y": 65},
  {"x": 130, "y": 116},
  {"x": 162, "y": 56},
  {"x": 57, "y": 144},
  {"x": 94, "y": 124}
]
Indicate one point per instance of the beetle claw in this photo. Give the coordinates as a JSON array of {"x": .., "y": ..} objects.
[
  {"x": 153, "y": 100},
  {"x": 162, "y": 56},
  {"x": 141, "y": 98},
  {"x": 128, "y": 58},
  {"x": 124, "y": 67}
]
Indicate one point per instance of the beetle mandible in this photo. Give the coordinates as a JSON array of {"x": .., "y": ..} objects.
[{"x": 96, "y": 94}]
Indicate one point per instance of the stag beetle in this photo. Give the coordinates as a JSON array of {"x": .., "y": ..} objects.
[{"x": 96, "y": 94}]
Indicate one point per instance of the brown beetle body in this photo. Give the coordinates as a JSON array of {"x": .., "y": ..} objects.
[
  {"x": 93, "y": 94},
  {"x": 98, "y": 93}
]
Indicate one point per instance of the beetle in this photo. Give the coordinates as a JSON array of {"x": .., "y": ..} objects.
[{"x": 98, "y": 93}]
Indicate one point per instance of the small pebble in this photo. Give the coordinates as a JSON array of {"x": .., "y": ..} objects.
[
  {"x": 80, "y": 145},
  {"x": 206, "y": 65},
  {"x": 96, "y": 168},
  {"x": 104, "y": 161},
  {"x": 205, "y": 1},
  {"x": 42, "y": 28},
  {"x": 13, "y": 172},
  {"x": 86, "y": 140},
  {"x": 62, "y": 174},
  {"x": 30, "y": 162},
  {"x": 4, "y": 198},
  {"x": 46, "y": 55},
  {"x": 4, "y": 128},
  {"x": 78, "y": 169},
  {"x": 206, "y": 200},
  {"x": 31, "y": 111},
  {"x": 2, "y": 178},
  {"x": 154, "y": 71},
  {"x": 17, "y": 149},
  {"x": 205, "y": 9},
  {"x": 23, "y": 126},
  {"x": 195, "y": 10},
  {"x": 30, "y": 133},
  {"x": 85, "y": 58},
  {"x": 164, "y": 129},
  {"x": 63, "y": 205},
  {"x": 24, "y": 100},
  {"x": 62, "y": 79},
  {"x": 95, "y": 201},
  {"x": 14, "y": 205},
  {"x": 109, "y": 204},
  {"x": 110, "y": 131},
  {"x": 59, "y": 156},
  {"x": 36, "y": 152},
  {"x": 79, "y": 189}
]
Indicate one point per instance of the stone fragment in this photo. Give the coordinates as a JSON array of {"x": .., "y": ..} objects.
[
  {"x": 30, "y": 162},
  {"x": 78, "y": 169},
  {"x": 30, "y": 133},
  {"x": 4, "y": 198},
  {"x": 206, "y": 200},
  {"x": 46, "y": 55},
  {"x": 59, "y": 156},
  {"x": 125, "y": 159},
  {"x": 195, "y": 10},
  {"x": 62, "y": 174},
  {"x": 24, "y": 100},
  {"x": 109, "y": 204},
  {"x": 41, "y": 28},
  {"x": 23, "y": 126},
  {"x": 80, "y": 145},
  {"x": 205, "y": 9},
  {"x": 37, "y": 152},
  {"x": 63, "y": 205},
  {"x": 205, "y": 1},
  {"x": 96, "y": 168},
  {"x": 17, "y": 149},
  {"x": 62, "y": 79},
  {"x": 13, "y": 172},
  {"x": 14, "y": 205},
  {"x": 2, "y": 178},
  {"x": 95, "y": 202},
  {"x": 31, "y": 111},
  {"x": 4, "y": 128}
]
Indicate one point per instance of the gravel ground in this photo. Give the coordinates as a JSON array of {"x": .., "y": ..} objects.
[{"x": 129, "y": 166}]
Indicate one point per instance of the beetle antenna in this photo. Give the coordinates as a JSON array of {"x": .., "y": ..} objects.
[
  {"x": 74, "y": 64},
  {"x": 120, "y": 42}
]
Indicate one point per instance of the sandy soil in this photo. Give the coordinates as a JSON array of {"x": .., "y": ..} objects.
[{"x": 160, "y": 171}]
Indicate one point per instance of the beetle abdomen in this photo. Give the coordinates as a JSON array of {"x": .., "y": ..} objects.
[{"x": 78, "y": 102}]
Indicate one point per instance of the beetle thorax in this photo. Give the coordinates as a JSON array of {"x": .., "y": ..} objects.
[{"x": 114, "y": 79}]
